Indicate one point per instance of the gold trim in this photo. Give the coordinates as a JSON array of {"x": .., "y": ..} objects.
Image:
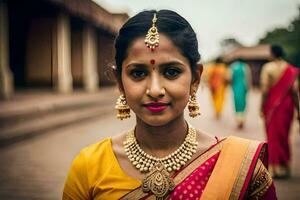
[{"x": 238, "y": 185}]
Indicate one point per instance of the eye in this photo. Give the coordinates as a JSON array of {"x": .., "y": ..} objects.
[
  {"x": 138, "y": 74},
  {"x": 172, "y": 73}
]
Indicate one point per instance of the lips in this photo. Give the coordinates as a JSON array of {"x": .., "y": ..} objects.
[{"x": 156, "y": 107}]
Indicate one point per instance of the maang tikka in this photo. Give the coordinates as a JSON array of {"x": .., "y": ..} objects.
[
  {"x": 152, "y": 37},
  {"x": 193, "y": 106},
  {"x": 122, "y": 108}
]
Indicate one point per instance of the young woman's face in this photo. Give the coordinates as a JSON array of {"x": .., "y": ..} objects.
[{"x": 157, "y": 83}]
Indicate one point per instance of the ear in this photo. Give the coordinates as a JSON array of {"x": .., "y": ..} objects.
[
  {"x": 196, "y": 78},
  {"x": 118, "y": 79}
]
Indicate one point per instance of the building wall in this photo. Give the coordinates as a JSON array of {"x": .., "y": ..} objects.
[
  {"x": 76, "y": 54},
  {"x": 38, "y": 65},
  {"x": 105, "y": 58}
]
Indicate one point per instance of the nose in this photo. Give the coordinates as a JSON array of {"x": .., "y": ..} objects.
[{"x": 155, "y": 87}]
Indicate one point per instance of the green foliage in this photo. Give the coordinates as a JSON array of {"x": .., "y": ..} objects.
[{"x": 288, "y": 38}]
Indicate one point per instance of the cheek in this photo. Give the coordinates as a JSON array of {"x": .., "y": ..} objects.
[
  {"x": 133, "y": 91},
  {"x": 180, "y": 90}
]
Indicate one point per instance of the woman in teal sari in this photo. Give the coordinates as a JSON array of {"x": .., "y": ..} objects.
[{"x": 240, "y": 82}]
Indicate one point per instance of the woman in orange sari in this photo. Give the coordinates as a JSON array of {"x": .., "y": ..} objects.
[
  {"x": 217, "y": 78},
  {"x": 279, "y": 88},
  {"x": 164, "y": 157}
]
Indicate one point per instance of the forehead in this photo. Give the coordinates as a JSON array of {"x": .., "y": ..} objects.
[{"x": 138, "y": 50}]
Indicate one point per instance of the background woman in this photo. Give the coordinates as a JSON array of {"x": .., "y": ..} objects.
[
  {"x": 240, "y": 83},
  {"x": 163, "y": 156},
  {"x": 279, "y": 99}
]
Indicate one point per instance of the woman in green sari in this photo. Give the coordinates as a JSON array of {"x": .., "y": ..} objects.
[{"x": 240, "y": 82}]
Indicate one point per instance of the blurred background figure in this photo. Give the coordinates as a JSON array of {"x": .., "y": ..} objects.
[
  {"x": 240, "y": 76},
  {"x": 217, "y": 81},
  {"x": 279, "y": 98}
]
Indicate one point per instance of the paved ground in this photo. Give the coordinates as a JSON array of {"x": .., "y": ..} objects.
[{"x": 36, "y": 168}]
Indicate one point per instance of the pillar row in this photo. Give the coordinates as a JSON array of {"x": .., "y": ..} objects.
[
  {"x": 6, "y": 76},
  {"x": 64, "y": 82},
  {"x": 90, "y": 74}
]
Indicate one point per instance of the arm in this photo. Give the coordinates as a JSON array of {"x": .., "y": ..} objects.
[
  {"x": 249, "y": 77},
  {"x": 264, "y": 80}
]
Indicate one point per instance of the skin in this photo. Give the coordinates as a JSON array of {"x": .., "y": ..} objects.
[{"x": 168, "y": 80}]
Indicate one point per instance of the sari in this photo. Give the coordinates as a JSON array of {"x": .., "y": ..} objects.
[
  {"x": 217, "y": 85},
  {"x": 234, "y": 168},
  {"x": 239, "y": 86},
  {"x": 278, "y": 110}
]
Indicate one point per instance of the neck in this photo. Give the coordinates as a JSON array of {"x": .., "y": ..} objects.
[{"x": 162, "y": 140}]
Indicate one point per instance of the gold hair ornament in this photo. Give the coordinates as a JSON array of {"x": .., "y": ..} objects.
[{"x": 152, "y": 37}]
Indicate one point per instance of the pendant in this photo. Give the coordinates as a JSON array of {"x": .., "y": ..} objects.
[{"x": 158, "y": 181}]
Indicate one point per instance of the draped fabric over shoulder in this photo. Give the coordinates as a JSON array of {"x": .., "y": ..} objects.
[{"x": 234, "y": 168}]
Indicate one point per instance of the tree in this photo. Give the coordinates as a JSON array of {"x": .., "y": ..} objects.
[{"x": 288, "y": 38}]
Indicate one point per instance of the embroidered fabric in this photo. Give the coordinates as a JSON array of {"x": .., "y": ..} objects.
[{"x": 261, "y": 181}]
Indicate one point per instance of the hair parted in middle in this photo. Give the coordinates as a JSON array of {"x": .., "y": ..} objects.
[{"x": 170, "y": 23}]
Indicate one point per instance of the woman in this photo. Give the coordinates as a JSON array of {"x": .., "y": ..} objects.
[
  {"x": 217, "y": 82},
  {"x": 163, "y": 156},
  {"x": 240, "y": 82},
  {"x": 279, "y": 99}
]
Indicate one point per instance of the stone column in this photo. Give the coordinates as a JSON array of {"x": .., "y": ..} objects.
[
  {"x": 64, "y": 75},
  {"x": 90, "y": 74},
  {"x": 6, "y": 77}
]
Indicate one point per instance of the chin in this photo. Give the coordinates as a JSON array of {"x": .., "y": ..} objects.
[{"x": 157, "y": 120}]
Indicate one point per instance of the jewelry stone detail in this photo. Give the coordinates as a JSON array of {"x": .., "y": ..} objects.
[
  {"x": 152, "y": 37},
  {"x": 174, "y": 161},
  {"x": 158, "y": 182}
]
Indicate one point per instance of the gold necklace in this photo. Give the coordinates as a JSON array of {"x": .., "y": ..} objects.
[
  {"x": 157, "y": 180},
  {"x": 174, "y": 161}
]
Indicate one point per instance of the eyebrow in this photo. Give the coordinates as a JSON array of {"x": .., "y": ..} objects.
[{"x": 163, "y": 65}]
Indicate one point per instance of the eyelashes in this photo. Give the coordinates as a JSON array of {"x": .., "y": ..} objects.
[{"x": 168, "y": 72}]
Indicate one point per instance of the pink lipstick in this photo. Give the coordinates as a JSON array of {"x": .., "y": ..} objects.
[{"x": 156, "y": 107}]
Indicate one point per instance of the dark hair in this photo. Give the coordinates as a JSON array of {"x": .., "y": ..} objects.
[
  {"x": 277, "y": 51},
  {"x": 178, "y": 30},
  {"x": 219, "y": 60}
]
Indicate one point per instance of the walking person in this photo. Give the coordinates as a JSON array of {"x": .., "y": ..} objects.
[
  {"x": 279, "y": 100},
  {"x": 162, "y": 156},
  {"x": 217, "y": 81},
  {"x": 240, "y": 83}
]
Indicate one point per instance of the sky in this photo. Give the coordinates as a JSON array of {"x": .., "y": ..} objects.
[{"x": 214, "y": 20}]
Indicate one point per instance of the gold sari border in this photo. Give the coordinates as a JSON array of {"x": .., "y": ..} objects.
[
  {"x": 223, "y": 177},
  {"x": 244, "y": 170}
]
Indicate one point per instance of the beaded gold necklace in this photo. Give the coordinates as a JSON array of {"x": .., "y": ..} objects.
[{"x": 157, "y": 180}]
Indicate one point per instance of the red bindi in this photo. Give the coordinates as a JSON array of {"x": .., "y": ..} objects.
[{"x": 152, "y": 61}]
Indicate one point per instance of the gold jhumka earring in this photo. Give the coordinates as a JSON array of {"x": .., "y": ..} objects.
[
  {"x": 152, "y": 37},
  {"x": 193, "y": 106},
  {"x": 122, "y": 108}
]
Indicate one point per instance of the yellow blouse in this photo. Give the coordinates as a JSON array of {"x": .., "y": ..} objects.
[{"x": 96, "y": 174}]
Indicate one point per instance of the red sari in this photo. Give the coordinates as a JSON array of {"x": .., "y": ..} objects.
[
  {"x": 234, "y": 168},
  {"x": 278, "y": 110}
]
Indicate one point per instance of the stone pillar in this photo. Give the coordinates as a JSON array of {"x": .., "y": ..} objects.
[
  {"x": 64, "y": 75},
  {"x": 90, "y": 74},
  {"x": 6, "y": 77}
]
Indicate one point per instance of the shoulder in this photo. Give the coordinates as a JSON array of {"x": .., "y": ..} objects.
[
  {"x": 93, "y": 156},
  {"x": 96, "y": 149}
]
